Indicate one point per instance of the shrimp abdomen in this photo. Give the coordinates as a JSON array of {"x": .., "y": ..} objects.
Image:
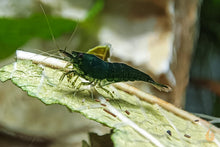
[{"x": 120, "y": 72}]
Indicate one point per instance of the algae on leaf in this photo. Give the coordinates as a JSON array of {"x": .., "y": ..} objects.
[{"x": 146, "y": 125}]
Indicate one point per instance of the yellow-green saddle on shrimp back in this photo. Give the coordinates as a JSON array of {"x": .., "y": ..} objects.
[{"x": 101, "y": 51}]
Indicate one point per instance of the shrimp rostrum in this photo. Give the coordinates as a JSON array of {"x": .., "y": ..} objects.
[{"x": 97, "y": 71}]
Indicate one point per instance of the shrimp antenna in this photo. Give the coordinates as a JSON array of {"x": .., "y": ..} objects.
[
  {"x": 50, "y": 29},
  {"x": 71, "y": 37}
]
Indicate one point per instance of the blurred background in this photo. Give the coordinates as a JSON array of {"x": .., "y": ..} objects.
[{"x": 175, "y": 42}]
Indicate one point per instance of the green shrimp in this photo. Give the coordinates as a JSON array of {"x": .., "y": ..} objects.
[{"x": 95, "y": 70}]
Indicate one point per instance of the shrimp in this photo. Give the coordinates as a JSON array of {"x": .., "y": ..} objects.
[{"x": 94, "y": 69}]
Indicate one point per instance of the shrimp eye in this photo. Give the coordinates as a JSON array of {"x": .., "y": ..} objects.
[{"x": 80, "y": 55}]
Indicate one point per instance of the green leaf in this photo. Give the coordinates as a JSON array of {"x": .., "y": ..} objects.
[
  {"x": 17, "y": 31},
  {"x": 95, "y": 10},
  {"x": 128, "y": 129}
]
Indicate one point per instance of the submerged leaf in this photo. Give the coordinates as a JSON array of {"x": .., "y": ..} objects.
[
  {"x": 17, "y": 31},
  {"x": 144, "y": 125}
]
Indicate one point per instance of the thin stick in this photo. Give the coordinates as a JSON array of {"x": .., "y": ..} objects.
[{"x": 40, "y": 59}]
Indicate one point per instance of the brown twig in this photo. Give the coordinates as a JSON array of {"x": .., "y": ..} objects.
[{"x": 213, "y": 86}]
